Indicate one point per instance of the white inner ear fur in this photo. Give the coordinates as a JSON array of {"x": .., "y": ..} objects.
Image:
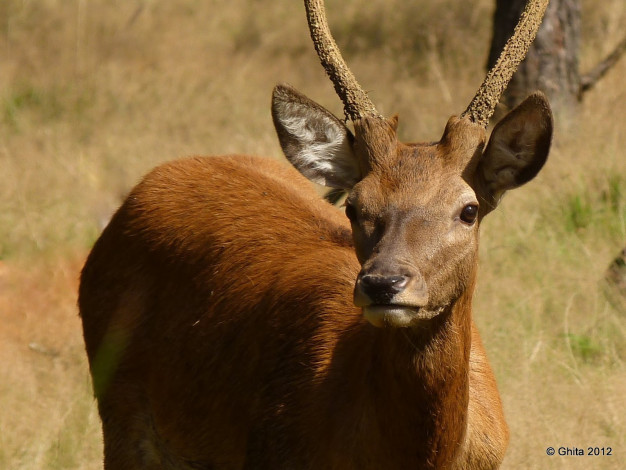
[{"x": 324, "y": 154}]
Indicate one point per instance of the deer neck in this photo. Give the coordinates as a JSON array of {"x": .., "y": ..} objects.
[{"x": 421, "y": 378}]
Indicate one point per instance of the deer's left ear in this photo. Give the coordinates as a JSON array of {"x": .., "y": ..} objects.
[
  {"x": 517, "y": 149},
  {"x": 315, "y": 142}
]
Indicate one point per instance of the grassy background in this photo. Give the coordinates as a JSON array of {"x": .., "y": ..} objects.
[{"x": 95, "y": 93}]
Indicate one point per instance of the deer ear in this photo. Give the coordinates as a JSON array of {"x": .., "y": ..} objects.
[
  {"x": 318, "y": 144},
  {"x": 517, "y": 149}
]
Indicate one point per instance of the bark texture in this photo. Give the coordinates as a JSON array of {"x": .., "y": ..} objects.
[{"x": 551, "y": 64}]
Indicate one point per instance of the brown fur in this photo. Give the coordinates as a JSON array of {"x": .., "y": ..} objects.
[
  {"x": 235, "y": 320},
  {"x": 218, "y": 315},
  {"x": 217, "y": 304},
  {"x": 225, "y": 283}
]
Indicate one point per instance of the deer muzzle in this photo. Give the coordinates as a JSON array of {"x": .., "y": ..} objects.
[{"x": 395, "y": 300}]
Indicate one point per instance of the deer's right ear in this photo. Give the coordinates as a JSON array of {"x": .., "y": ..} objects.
[
  {"x": 318, "y": 144},
  {"x": 518, "y": 147}
]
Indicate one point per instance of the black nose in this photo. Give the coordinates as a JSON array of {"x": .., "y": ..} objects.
[{"x": 381, "y": 289}]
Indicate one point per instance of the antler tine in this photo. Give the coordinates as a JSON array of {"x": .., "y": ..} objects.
[
  {"x": 484, "y": 103},
  {"x": 355, "y": 100}
]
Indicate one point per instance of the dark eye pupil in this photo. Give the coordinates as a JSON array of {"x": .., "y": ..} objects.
[
  {"x": 469, "y": 213},
  {"x": 350, "y": 212}
]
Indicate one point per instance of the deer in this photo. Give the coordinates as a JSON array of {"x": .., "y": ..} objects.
[{"x": 234, "y": 319}]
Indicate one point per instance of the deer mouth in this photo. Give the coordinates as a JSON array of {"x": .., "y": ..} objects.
[{"x": 398, "y": 316}]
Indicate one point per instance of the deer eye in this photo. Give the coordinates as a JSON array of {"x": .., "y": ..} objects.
[
  {"x": 469, "y": 214},
  {"x": 350, "y": 212}
]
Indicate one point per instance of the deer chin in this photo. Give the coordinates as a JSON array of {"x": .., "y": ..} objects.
[{"x": 398, "y": 316}]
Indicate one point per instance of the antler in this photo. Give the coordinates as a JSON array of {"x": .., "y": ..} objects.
[
  {"x": 484, "y": 103},
  {"x": 356, "y": 103}
]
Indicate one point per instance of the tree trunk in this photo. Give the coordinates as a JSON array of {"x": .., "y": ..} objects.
[{"x": 551, "y": 64}]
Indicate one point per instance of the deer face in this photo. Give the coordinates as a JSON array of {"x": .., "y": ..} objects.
[{"x": 414, "y": 208}]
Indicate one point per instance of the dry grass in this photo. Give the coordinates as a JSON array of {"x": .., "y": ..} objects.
[
  {"x": 48, "y": 418},
  {"x": 94, "y": 93}
]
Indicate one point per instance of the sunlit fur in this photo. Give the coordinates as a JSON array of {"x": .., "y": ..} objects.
[
  {"x": 230, "y": 302},
  {"x": 219, "y": 317}
]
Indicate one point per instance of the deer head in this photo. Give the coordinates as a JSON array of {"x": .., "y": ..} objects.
[{"x": 415, "y": 209}]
